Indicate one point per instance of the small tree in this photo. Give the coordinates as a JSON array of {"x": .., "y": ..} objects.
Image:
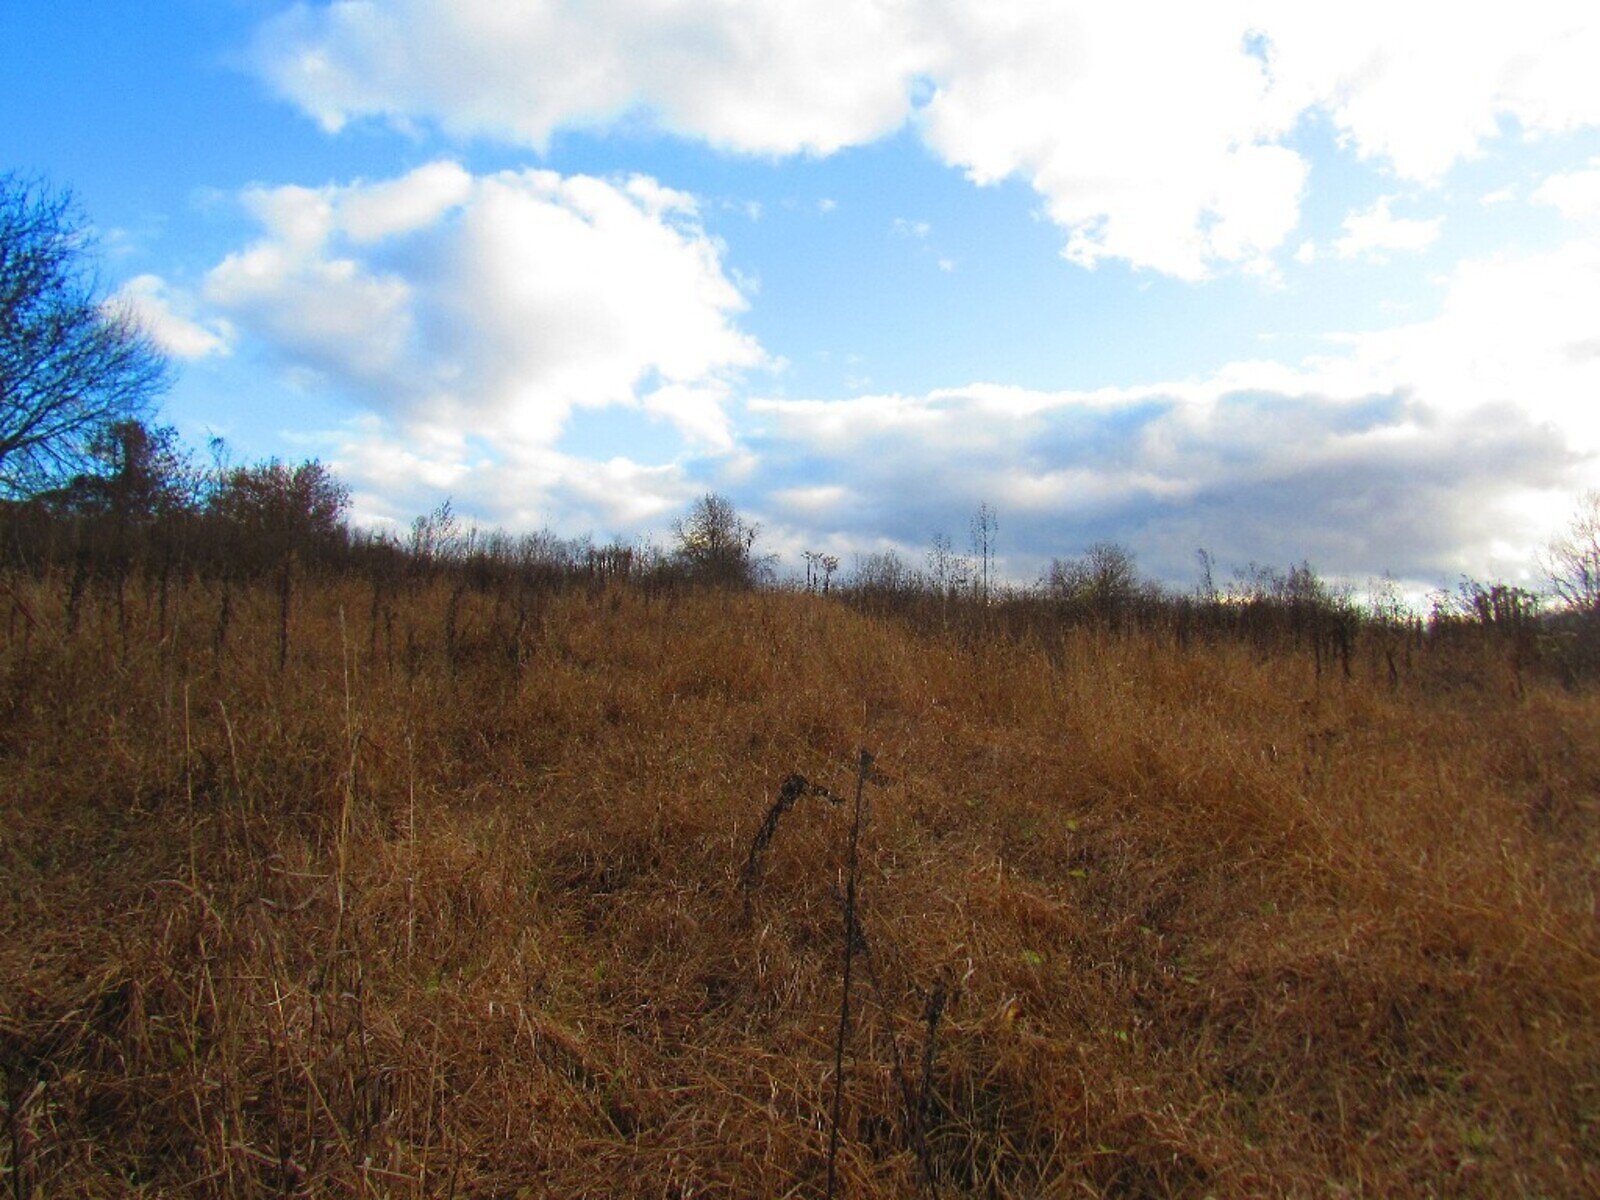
[
  {"x": 284, "y": 509},
  {"x": 949, "y": 572},
  {"x": 70, "y": 366},
  {"x": 883, "y": 572},
  {"x": 1573, "y": 560},
  {"x": 819, "y": 570},
  {"x": 437, "y": 536},
  {"x": 1104, "y": 579},
  {"x": 717, "y": 545},
  {"x": 985, "y": 528}
]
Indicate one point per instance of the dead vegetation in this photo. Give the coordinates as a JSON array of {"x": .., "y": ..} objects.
[{"x": 430, "y": 890}]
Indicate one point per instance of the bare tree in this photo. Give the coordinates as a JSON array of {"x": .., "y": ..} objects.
[
  {"x": 884, "y": 572},
  {"x": 1206, "y": 589},
  {"x": 1106, "y": 577},
  {"x": 949, "y": 571},
  {"x": 717, "y": 545},
  {"x": 71, "y": 367},
  {"x": 985, "y": 527},
  {"x": 819, "y": 570},
  {"x": 829, "y": 563},
  {"x": 1573, "y": 559}
]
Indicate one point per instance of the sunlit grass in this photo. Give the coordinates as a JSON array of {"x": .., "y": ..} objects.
[{"x": 455, "y": 903}]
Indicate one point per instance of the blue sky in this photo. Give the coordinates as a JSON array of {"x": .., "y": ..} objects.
[{"x": 1283, "y": 285}]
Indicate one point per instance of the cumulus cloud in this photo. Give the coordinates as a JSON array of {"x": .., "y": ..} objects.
[
  {"x": 469, "y": 315},
  {"x": 1374, "y": 232},
  {"x": 494, "y": 304},
  {"x": 398, "y": 206},
  {"x": 1155, "y": 135},
  {"x": 1151, "y": 141},
  {"x": 168, "y": 317}
]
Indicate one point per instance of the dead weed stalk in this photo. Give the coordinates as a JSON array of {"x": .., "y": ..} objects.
[{"x": 918, "y": 1101}]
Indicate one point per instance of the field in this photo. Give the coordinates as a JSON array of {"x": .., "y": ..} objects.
[{"x": 446, "y": 890}]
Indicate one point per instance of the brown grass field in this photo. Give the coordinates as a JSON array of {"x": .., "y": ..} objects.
[{"x": 452, "y": 905}]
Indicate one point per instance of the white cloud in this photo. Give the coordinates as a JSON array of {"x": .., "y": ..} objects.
[
  {"x": 1575, "y": 194},
  {"x": 699, "y": 410},
  {"x": 818, "y": 501},
  {"x": 495, "y": 304},
  {"x": 168, "y": 318},
  {"x": 396, "y": 471},
  {"x": 404, "y": 205},
  {"x": 1151, "y": 141},
  {"x": 772, "y": 78},
  {"x": 1156, "y": 134},
  {"x": 1422, "y": 86},
  {"x": 1516, "y": 333},
  {"x": 1375, "y": 231}
]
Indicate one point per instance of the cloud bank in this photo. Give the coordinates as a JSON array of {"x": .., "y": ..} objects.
[
  {"x": 1161, "y": 135},
  {"x": 1438, "y": 448}
]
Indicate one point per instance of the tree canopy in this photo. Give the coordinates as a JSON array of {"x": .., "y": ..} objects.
[
  {"x": 72, "y": 366},
  {"x": 285, "y": 507}
]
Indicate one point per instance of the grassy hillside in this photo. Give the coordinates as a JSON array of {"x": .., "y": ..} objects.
[{"x": 453, "y": 902}]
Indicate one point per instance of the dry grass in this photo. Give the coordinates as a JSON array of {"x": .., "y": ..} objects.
[{"x": 454, "y": 906}]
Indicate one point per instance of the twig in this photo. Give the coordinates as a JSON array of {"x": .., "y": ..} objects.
[{"x": 789, "y": 794}]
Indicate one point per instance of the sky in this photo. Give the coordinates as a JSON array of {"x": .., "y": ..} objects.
[{"x": 1282, "y": 282}]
